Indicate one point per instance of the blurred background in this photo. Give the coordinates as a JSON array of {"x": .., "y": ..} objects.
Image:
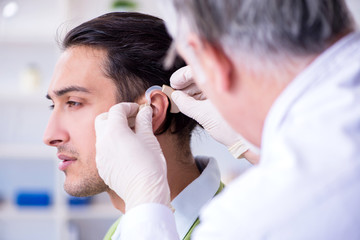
[{"x": 33, "y": 204}]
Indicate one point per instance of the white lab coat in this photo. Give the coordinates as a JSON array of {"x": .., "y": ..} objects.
[
  {"x": 307, "y": 185},
  {"x": 190, "y": 200}
]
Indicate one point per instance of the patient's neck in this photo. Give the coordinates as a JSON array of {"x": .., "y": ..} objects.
[{"x": 181, "y": 168}]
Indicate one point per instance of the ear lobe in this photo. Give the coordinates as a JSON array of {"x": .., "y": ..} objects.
[
  {"x": 222, "y": 67},
  {"x": 159, "y": 104}
]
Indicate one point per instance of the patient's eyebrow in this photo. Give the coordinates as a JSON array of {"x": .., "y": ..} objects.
[{"x": 68, "y": 89}]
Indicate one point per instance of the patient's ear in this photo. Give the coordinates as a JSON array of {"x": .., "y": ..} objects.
[{"x": 159, "y": 104}]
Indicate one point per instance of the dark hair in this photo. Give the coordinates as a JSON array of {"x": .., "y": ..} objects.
[{"x": 136, "y": 45}]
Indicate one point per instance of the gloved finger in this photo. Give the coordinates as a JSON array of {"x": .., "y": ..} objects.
[
  {"x": 143, "y": 121},
  {"x": 144, "y": 129},
  {"x": 186, "y": 104},
  {"x": 194, "y": 91},
  {"x": 100, "y": 121},
  {"x": 182, "y": 78},
  {"x": 119, "y": 113},
  {"x": 118, "y": 117}
]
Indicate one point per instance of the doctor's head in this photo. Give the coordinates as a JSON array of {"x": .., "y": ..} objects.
[
  {"x": 110, "y": 59},
  {"x": 247, "y": 51}
]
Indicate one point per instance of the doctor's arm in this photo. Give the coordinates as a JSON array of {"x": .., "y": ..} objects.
[{"x": 192, "y": 102}]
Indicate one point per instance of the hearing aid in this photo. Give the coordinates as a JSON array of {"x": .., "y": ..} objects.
[{"x": 165, "y": 89}]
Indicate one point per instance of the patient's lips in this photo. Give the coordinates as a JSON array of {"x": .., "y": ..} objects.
[{"x": 65, "y": 162}]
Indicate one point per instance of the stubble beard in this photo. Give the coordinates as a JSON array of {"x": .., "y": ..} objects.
[
  {"x": 89, "y": 185},
  {"x": 88, "y": 182}
]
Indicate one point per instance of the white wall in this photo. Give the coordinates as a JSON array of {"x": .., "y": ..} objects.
[{"x": 354, "y": 6}]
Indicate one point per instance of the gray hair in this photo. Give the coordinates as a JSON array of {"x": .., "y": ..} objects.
[{"x": 264, "y": 27}]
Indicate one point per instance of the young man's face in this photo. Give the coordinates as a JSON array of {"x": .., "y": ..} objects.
[{"x": 79, "y": 91}]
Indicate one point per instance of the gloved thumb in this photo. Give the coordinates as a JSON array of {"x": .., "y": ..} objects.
[
  {"x": 144, "y": 130},
  {"x": 143, "y": 121},
  {"x": 186, "y": 104},
  {"x": 118, "y": 115},
  {"x": 181, "y": 78}
]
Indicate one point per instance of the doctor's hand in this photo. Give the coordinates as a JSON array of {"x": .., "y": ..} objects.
[
  {"x": 192, "y": 102},
  {"x": 129, "y": 161}
]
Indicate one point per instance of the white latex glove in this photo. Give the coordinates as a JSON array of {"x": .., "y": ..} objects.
[
  {"x": 193, "y": 103},
  {"x": 131, "y": 162}
]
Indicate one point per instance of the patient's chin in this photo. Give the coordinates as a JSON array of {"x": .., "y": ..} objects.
[{"x": 85, "y": 188}]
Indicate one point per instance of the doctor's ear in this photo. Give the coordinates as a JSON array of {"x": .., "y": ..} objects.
[
  {"x": 160, "y": 105},
  {"x": 214, "y": 62}
]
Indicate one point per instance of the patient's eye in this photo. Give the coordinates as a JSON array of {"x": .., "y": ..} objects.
[{"x": 73, "y": 104}]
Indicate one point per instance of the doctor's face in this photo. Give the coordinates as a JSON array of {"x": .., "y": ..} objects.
[
  {"x": 213, "y": 74},
  {"x": 79, "y": 91}
]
